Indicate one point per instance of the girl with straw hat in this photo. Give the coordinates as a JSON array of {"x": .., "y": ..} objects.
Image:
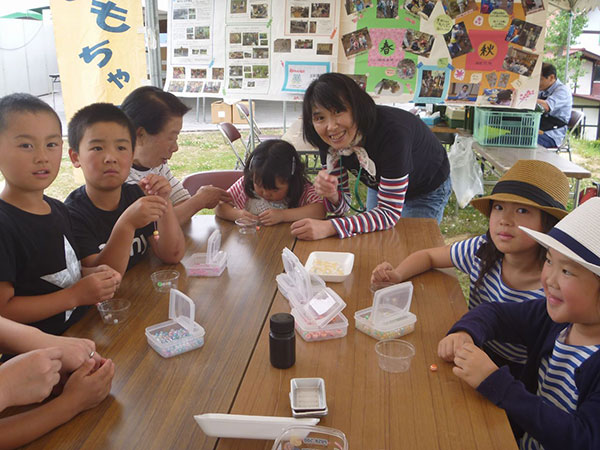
[
  {"x": 505, "y": 264},
  {"x": 556, "y": 402}
]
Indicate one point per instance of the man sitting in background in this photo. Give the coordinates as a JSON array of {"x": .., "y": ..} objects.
[{"x": 556, "y": 100}]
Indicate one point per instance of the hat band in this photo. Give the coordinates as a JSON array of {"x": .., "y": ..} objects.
[
  {"x": 528, "y": 191},
  {"x": 575, "y": 246}
]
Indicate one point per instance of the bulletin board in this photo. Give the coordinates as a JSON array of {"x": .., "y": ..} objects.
[{"x": 463, "y": 52}]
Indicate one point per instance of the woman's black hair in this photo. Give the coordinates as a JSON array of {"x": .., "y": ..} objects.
[
  {"x": 488, "y": 253},
  {"x": 336, "y": 92},
  {"x": 151, "y": 108},
  {"x": 273, "y": 159}
]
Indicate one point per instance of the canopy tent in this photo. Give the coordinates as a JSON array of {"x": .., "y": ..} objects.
[{"x": 27, "y": 14}]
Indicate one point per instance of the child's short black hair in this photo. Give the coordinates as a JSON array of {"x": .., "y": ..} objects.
[
  {"x": 273, "y": 159},
  {"x": 23, "y": 103},
  {"x": 95, "y": 113},
  {"x": 151, "y": 108},
  {"x": 337, "y": 92}
]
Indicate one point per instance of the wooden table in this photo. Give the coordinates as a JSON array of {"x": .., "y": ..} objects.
[
  {"x": 419, "y": 409},
  {"x": 153, "y": 400},
  {"x": 503, "y": 158}
]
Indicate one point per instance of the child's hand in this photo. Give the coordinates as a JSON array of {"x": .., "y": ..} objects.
[
  {"x": 75, "y": 351},
  {"x": 103, "y": 268},
  {"x": 156, "y": 185},
  {"x": 384, "y": 272},
  {"x": 450, "y": 344},
  {"x": 473, "y": 365},
  {"x": 210, "y": 196},
  {"x": 95, "y": 287},
  {"x": 243, "y": 214},
  {"x": 327, "y": 186},
  {"x": 271, "y": 217},
  {"x": 29, "y": 377},
  {"x": 144, "y": 211},
  {"x": 86, "y": 388}
]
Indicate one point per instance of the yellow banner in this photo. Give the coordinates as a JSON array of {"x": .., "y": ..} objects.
[{"x": 100, "y": 49}]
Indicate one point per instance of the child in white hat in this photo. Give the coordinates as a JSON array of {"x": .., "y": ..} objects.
[{"x": 557, "y": 402}]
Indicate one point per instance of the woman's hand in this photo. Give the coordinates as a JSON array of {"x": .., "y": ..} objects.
[
  {"x": 312, "y": 229},
  {"x": 326, "y": 186},
  {"x": 473, "y": 365}
]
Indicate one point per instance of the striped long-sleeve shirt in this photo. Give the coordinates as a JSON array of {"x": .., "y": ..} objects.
[
  {"x": 178, "y": 192},
  {"x": 390, "y": 200}
]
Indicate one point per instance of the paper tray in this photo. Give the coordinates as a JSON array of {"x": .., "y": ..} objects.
[{"x": 247, "y": 427}]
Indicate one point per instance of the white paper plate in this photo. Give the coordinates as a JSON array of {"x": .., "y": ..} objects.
[{"x": 247, "y": 427}]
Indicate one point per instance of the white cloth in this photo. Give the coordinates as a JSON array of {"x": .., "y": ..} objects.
[{"x": 363, "y": 157}]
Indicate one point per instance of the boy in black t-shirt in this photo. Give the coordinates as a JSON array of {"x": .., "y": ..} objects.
[
  {"x": 40, "y": 274},
  {"x": 114, "y": 223}
]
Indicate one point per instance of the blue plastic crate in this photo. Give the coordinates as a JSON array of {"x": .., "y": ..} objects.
[{"x": 506, "y": 127}]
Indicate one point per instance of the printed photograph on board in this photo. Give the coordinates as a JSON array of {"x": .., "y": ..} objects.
[
  {"x": 523, "y": 33},
  {"x": 358, "y": 41},
  {"x": 457, "y": 40},
  {"x": 418, "y": 42}
]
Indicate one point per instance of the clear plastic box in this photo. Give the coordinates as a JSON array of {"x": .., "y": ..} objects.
[
  {"x": 180, "y": 333},
  {"x": 321, "y": 308},
  {"x": 296, "y": 284},
  {"x": 209, "y": 264},
  {"x": 315, "y": 438},
  {"x": 336, "y": 328},
  {"x": 389, "y": 317}
]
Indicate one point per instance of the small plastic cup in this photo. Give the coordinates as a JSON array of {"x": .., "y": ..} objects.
[
  {"x": 114, "y": 311},
  {"x": 165, "y": 280},
  {"x": 395, "y": 355},
  {"x": 246, "y": 226}
]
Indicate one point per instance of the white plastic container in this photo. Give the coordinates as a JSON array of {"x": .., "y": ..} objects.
[
  {"x": 248, "y": 427},
  {"x": 180, "y": 333},
  {"x": 389, "y": 317},
  {"x": 336, "y": 328},
  {"x": 209, "y": 264},
  {"x": 307, "y": 394},
  {"x": 330, "y": 266}
]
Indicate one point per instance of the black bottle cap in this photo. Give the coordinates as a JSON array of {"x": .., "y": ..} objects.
[{"x": 282, "y": 323}]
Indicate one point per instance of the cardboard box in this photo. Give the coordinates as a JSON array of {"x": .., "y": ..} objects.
[
  {"x": 220, "y": 112},
  {"x": 236, "y": 114}
]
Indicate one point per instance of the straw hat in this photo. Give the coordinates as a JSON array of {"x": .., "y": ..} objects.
[
  {"x": 530, "y": 182},
  {"x": 577, "y": 236}
]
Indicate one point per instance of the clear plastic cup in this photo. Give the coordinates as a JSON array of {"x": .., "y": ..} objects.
[
  {"x": 165, "y": 280},
  {"x": 246, "y": 226},
  {"x": 114, "y": 311},
  {"x": 395, "y": 355}
]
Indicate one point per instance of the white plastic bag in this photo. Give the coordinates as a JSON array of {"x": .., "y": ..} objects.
[{"x": 467, "y": 180}]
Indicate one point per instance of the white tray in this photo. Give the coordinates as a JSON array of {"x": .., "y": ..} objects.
[{"x": 247, "y": 427}]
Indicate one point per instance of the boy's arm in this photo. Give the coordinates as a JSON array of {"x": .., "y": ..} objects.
[
  {"x": 170, "y": 246},
  {"x": 89, "y": 290},
  {"x": 414, "y": 264},
  {"x": 205, "y": 197}
]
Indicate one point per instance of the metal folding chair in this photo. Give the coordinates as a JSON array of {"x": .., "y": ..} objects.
[
  {"x": 577, "y": 118},
  {"x": 219, "y": 178},
  {"x": 258, "y": 134},
  {"x": 231, "y": 135}
]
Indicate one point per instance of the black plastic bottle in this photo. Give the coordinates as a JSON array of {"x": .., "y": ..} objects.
[{"x": 282, "y": 341}]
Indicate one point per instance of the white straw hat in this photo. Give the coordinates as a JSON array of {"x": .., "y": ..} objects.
[{"x": 577, "y": 236}]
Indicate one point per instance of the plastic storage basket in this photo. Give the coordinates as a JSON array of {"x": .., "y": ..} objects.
[{"x": 506, "y": 128}]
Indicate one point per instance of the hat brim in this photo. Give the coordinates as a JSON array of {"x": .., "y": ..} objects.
[
  {"x": 484, "y": 204},
  {"x": 549, "y": 242}
]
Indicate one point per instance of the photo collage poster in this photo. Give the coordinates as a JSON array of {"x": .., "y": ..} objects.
[{"x": 485, "y": 53}]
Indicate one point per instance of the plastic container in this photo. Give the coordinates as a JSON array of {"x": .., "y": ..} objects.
[
  {"x": 394, "y": 355},
  {"x": 336, "y": 328},
  {"x": 314, "y": 438},
  {"x": 321, "y": 308},
  {"x": 330, "y": 266},
  {"x": 389, "y": 317},
  {"x": 246, "y": 226},
  {"x": 114, "y": 311},
  {"x": 248, "y": 427},
  {"x": 209, "y": 264},
  {"x": 296, "y": 284},
  {"x": 165, "y": 280},
  {"x": 180, "y": 333},
  {"x": 377, "y": 285},
  {"x": 307, "y": 394},
  {"x": 506, "y": 127}
]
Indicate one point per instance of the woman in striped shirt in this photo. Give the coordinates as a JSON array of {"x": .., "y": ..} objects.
[
  {"x": 388, "y": 149},
  {"x": 504, "y": 265},
  {"x": 556, "y": 403}
]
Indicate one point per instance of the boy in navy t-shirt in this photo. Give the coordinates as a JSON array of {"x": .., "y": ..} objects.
[{"x": 114, "y": 223}]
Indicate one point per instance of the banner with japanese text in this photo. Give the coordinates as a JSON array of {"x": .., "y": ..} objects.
[{"x": 100, "y": 49}]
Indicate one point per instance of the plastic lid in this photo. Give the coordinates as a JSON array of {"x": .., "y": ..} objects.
[
  {"x": 299, "y": 276},
  {"x": 391, "y": 304},
  {"x": 214, "y": 245},
  {"x": 182, "y": 309},
  {"x": 322, "y": 307},
  {"x": 282, "y": 323}
]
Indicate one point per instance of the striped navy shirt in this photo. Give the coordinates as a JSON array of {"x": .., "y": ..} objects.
[
  {"x": 492, "y": 289},
  {"x": 390, "y": 201},
  {"x": 556, "y": 379},
  {"x": 178, "y": 192}
]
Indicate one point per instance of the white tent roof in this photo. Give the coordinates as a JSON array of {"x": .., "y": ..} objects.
[{"x": 576, "y": 5}]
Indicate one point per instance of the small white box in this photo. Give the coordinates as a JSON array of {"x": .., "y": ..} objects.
[{"x": 330, "y": 266}]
